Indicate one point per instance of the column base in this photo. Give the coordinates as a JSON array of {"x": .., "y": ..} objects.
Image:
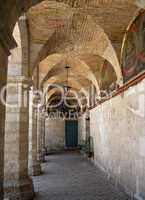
[
  {"x": 43, "y": 154},
  {"x": 19, "y": 190},
  {"x": 35, "y": 170},
  {"x": 43, "y": 159}
]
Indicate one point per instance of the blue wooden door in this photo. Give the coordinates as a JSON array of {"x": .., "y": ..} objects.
[{"x": 71, "y": 133}]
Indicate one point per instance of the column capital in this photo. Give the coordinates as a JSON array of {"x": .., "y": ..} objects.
[
  {"x": 42, "y": 110},
  {"x": 19, "y": 79},
  {"x": 35, "y": 99}
]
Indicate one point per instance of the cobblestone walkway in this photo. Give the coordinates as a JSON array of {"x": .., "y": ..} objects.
[{"x": 71, "y": 177}]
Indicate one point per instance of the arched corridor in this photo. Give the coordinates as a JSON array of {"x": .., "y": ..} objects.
[{"x": 72, "y": 80}]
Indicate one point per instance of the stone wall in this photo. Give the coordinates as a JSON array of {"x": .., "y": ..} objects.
[
  {"x": 118, "y": 131},
  {"x": 82, "y": 129},
  {"x": 54, "y": 134}
]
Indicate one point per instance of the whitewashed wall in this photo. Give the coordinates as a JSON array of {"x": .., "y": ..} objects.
[
  {"x": 118, "y": 130},
  {"x": 54, "y": 134},
  {"x": 82, "y": 128}
]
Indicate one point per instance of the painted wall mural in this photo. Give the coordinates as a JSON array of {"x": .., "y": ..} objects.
[
  {"x": 108, "y": 77},
  {"x": 134, "y": 49}
]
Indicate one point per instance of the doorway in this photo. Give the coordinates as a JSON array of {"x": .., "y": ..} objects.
[{"x": 71, "y": 133}]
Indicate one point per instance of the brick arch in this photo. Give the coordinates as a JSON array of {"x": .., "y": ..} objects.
[
  {"x": 12, "y": 10},
  {"x": 89, "y": 75},
  {"x": 54, "y": 92}
]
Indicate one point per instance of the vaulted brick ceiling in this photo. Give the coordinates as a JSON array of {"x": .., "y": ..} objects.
[
  {"x": 86, "y": 34},
  {"x": 82, "y": 34}
]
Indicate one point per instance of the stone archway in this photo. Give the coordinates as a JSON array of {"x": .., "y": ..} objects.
[
  {"x": 12, "y": 11},
  {"x": 17, "y": 184}
]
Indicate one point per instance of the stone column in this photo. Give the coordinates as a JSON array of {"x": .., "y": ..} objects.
[
  {"x": 41, "y": 134},
  {"x": 17, "y": 184},
  {"x": 92, "y": 96},
  {"x": 34, "y": 163},
  {"x": 87, "y": 124},
  {"x": 43, "y": 137},
  {"x": 3, "y": 78}
]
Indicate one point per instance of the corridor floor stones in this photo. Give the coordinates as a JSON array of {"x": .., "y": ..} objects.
[{"x": 71, "y": 177}]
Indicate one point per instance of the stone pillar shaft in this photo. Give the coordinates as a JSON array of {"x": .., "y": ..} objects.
[
  {"x": 43, "y": 138},
  {"x": 34, "y": 163},
  {"x": 17, "y": 184},
  {"x": 3, "y": 80},
  {"x": 41, "y": 135}
]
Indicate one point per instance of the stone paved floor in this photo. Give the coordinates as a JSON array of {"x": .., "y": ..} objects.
[{"x": 71, "y": 177}]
